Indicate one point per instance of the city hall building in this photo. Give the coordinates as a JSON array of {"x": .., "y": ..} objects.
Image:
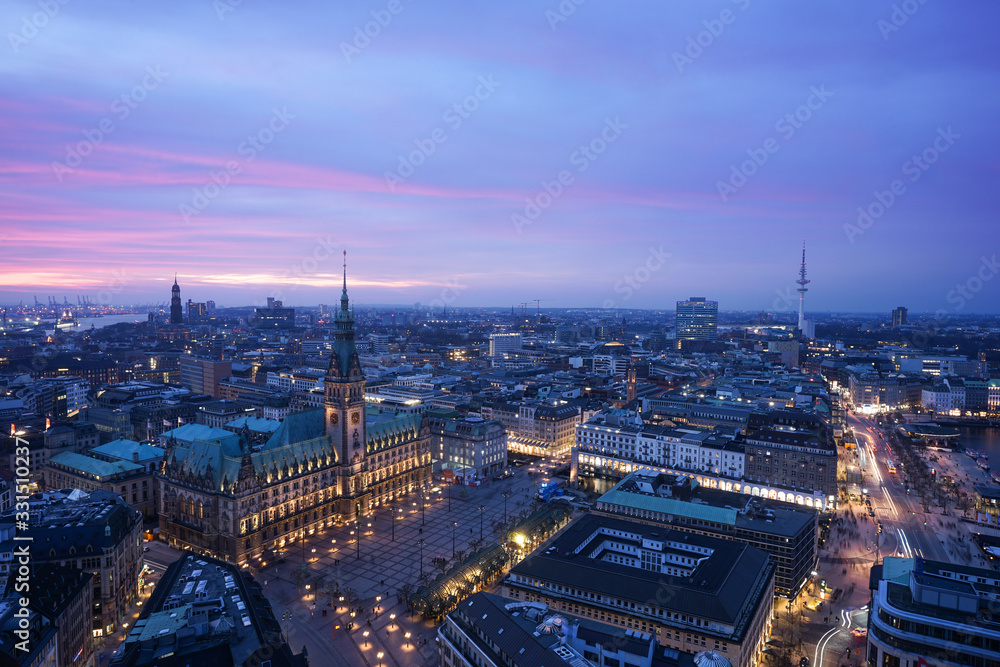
[{"x": 242, "y": 495}]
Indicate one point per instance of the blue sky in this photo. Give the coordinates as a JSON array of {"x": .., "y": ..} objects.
[{"x": 627, "y": 155}]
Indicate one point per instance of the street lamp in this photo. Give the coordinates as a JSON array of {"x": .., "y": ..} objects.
[
  {"x": 365, "y": 634},
  {"x": 392, "y": 619},
  {"x": 287, "y": 615},
  {"x": 407, "y": 635},
  {"x": 421, "y": 542},
  {"x": 454, "y": 525},
  {"x": 357, "y": 523},
  {"x": 506, "y": 494},
  {"x": 423, "y": 505},
  {"x": 380, "y": 654},
  {"x": 482, "y": 508}
]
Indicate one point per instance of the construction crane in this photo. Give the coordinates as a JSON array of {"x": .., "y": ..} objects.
[{"x": 538, "y": 306}]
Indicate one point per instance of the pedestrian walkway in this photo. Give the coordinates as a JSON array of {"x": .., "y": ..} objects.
[{"x": 387, "y": 561}]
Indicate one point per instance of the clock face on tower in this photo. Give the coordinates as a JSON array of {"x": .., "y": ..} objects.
[
  {"x": 355, "y": 418},
  {"x": 333, "y": 418}
]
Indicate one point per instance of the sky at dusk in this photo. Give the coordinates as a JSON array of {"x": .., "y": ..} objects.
[{"x": 598, "y": 154}]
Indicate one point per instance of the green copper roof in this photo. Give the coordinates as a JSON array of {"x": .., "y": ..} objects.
[
  {"x": 95, "y": 467},
  {"x": 123, "y": 449},
  {"x": 673, "y": 506}
]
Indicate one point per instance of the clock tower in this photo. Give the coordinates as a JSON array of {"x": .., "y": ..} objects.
[{"x": 344, "y": 389}]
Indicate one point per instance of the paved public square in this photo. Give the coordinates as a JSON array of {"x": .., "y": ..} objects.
[{"x": 386, "y": 559}]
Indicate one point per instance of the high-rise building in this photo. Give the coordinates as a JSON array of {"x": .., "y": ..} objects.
[
  {"x": 697, "y": 319},
  {"x": 504, "y": 342},
  {"x": 899, "y": 317},
  {"x": 176, "y": 310},
  {"x": 202, "y": 375},
  {"x": 196, "y": 311},
  {"x": 274, "y": 316}
]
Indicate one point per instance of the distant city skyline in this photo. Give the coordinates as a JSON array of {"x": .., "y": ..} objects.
[{"x": 622, "y": 157}]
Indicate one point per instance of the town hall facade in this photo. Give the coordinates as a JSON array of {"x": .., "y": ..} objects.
[{"x": 240, "y": 496}]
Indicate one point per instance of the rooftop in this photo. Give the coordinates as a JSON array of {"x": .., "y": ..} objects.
[
  {"x": 205, "y": 611},
  {"x": 670, "y": 495},
  {"x": 722, "y": 585},
  {"x": 102, "y": 470}
]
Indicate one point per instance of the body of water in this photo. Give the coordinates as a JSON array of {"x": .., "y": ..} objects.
[
  {"x": 982, "y": 437},
  {"x": 107, "y": 320}
]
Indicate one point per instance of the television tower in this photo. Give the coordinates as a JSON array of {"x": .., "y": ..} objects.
[{"x": 802, "y": 289}]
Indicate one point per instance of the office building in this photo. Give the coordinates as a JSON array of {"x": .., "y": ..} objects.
[
  {"x": 927, "y": 612},
  {"x": 693, "y": 592},
  {"x": 298, "y": 379},
  {"x": 95, "y": 532},
  {"x": 537, "y": 428},
  {"x": 899, "y": 317},
  {"x": 202, "y": 376},
  {"x": 379, "y": 343},
  {"x": 470, "y": 446},
  {"x": 487, "y": 630},
  {"x": 239, "y": 498},
  {"x": 697, "y": 319},
  {"x": 801, "y": 464},
  {"x": 274, "y": 316},
  {"x": 222, "y": 411},
  {"x": 788, "y": 533},
  {"x": 197, "y": 311},
  {"x": 501, "y": 343},
  {"x": 206, "y": 612}
]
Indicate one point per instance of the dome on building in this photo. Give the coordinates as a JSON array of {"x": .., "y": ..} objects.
[{"x": 710, "y": 659}]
